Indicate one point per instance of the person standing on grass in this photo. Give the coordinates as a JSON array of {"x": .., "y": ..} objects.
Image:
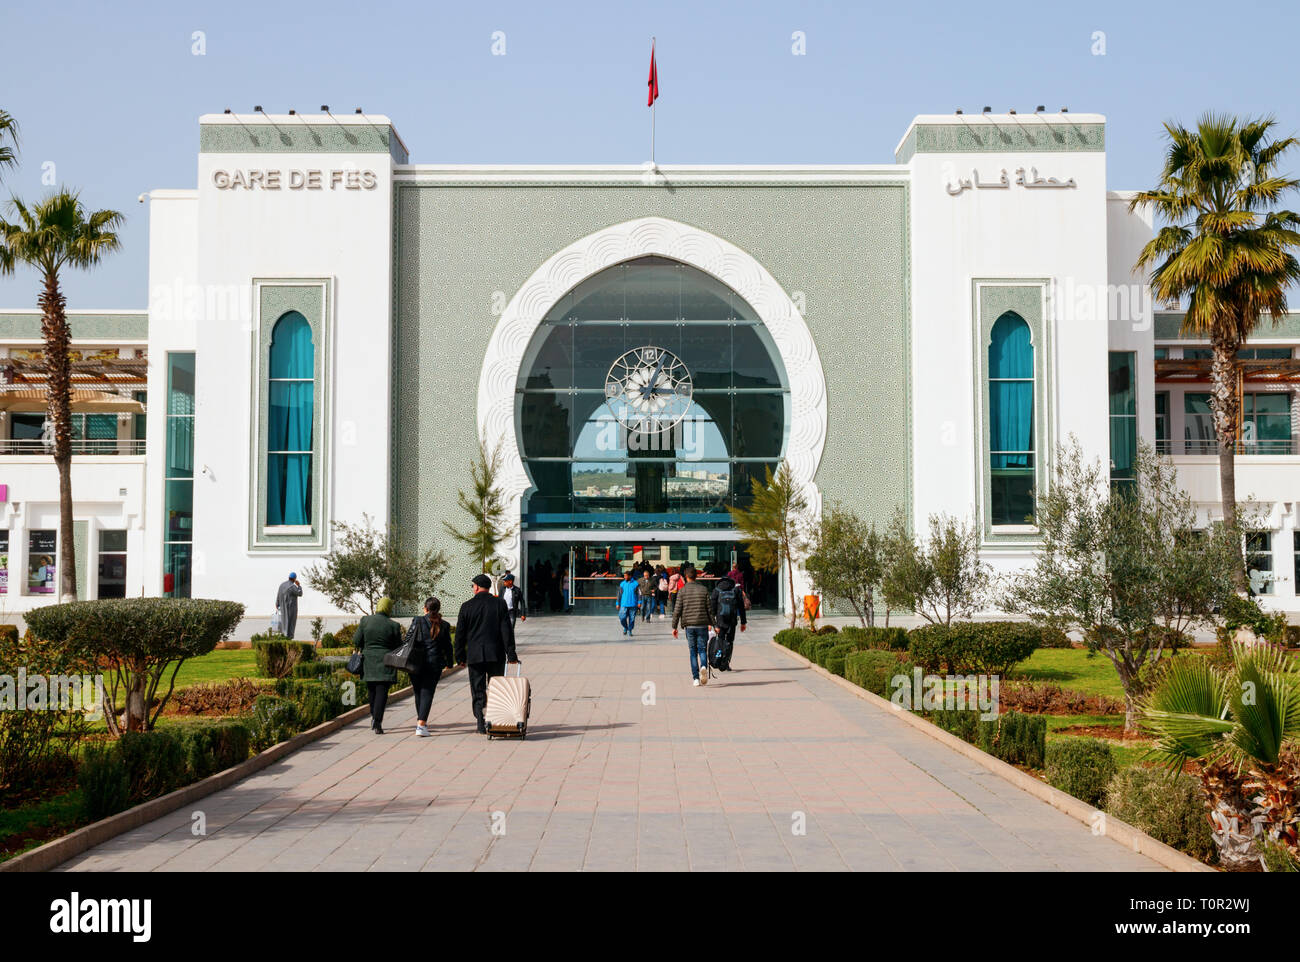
[
  {"x": 485, "y": 643},
  {"x": 692, "y": 613},
  {"x": 625, "y": 600},
  {"x": 286, "y": 602},
  {"x": 376, "y": 636},
  {"x": 432, "y": 653}
]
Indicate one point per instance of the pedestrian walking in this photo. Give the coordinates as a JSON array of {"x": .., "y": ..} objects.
[
  {"x": 675, "y": 582},
  {"x": 625, "y": 600},
  {"x": 645, "y": 593},
  {"x": 485, "y": 642},
  {"x": 692, "y": 613},
  {"x": 514, "y": 599},
  {"x": 286, "y": 603},
  {"x": 433, "y": 654},
  {"x": 727, "y": 605},
  {"x": 376, "y": 636},
  {"x": 661, "y": 592}
]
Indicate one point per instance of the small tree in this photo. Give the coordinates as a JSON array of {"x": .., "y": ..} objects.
[
  {"x": 774, "y": 527},
  {"x": 940, "y": 578},
  {"x": 137, "y": 641},
  {"x": 486, "y": 505},
  {"x": 1125, "y": 566},
  {"x": 846, "y": 562},
  {"x": 366, "y": 564}
]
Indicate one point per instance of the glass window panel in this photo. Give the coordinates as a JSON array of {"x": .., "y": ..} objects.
[
  {"x": 1197, "y": 354},
  {"x": 112, "y": 539},
  {"x": 552, "y": 365},
  {"x": 706, "y": 351},
  {"x": 292, "y": 352},
  {"x": 180, "y": 447},
  {"x": 1198, "y": 424},
  {"x": 1012, "y": 497},
  {"x": 26, "y": 427},
  {"x": 653, "y": 292},
  {"x": 289, "y": 419},
  {"x": 1259, "y": 562},
  {"x": 595, "y": 348},
  {"x": 705, "y": 433},
  {"x": 600, "y": 298},
  {"x": 42, "y": 561},
  {"x": 178, "y": 507},
  {"x": 759, "y": 425},
  {"x": 176, "y": 570},
  {"x": 180, "y": 384},
  {"x": 1122, "y": 396},
  {"x": 546, "y": 420},
  {"x": 743, "y": 476},
  {"x": 288, "y": 498},
  {"x": 705, "y": 298},
  {"x": 1011, "y": 351},
  {"x": 754, "y": 352}
]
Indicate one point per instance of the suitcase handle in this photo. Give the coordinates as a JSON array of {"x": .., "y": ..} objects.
[{"x": 519, "y": 668}]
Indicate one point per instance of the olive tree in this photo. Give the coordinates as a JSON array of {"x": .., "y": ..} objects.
[
  {"x": 940, "y": 577},
  {"x": 366, "y": 564},
  {"x": 136, "y": 642},
  {"x": 845, "y": 562},
  {"x": 1125, "y": 566}
]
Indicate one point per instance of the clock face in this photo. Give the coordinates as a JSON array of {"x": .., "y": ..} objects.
[{"x": 648, "y": 389}]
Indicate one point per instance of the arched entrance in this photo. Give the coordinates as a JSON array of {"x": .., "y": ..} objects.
[{"x": 637, "y": 382}]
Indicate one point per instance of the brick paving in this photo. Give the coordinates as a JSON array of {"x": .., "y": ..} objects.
[{"x": 721, "y": 777}]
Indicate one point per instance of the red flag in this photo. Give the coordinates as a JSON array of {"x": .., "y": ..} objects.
[{"x": 654, "y": 79}]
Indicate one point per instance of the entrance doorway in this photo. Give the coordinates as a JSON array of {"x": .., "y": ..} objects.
[{"x": 580, "y": 577}]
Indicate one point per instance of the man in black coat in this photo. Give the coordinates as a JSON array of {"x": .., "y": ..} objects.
[{"x": 485, "y": 642}]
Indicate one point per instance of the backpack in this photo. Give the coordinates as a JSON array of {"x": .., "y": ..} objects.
[{"x": 727, "y": 605}]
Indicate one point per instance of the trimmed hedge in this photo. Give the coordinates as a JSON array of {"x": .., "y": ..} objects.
[
  {"x": 277, "y": 657},
  {"x": 880, "y": 639},
  {"x": 1081, "y": 767},
  {"x": 970, "y": 647},
  {"x": 834, "y": 658},
  {"x": 790, "y": 637},
  {"x": 1013, "y": 737},
  {"x": 316, "y": 668},
  {"x": 273, "y": 720},
  {"x": 874, "y": 670},
  {"x": 1170, "y": 809},
  {"x": 144, "y": 765}
]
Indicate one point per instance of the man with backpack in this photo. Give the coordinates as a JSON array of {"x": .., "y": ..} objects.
[
  {"x": 692, "y": 613},
  {"x": 727, "y": 605}
]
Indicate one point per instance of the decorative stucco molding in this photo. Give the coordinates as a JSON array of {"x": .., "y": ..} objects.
[{"x": 641, "y": 237}]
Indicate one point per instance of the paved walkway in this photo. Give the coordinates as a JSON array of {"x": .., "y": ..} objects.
[{"x": 715, "y": 778}]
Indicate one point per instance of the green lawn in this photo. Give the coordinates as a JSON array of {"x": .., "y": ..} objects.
[
  {"x": 1071, "y": 668},
  {"x": 220, "y": 665},
  {"x": 48, "y": 818}
]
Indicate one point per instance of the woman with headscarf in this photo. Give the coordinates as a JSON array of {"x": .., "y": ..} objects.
[{"x": 376, "y": 636}]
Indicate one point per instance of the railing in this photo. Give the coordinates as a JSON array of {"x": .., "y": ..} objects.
[
  {"x": 1244, "y": 448},
  {"x": 97, "y": 446}
]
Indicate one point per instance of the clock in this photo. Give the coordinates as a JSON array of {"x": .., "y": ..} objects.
[{"x": 648, "y": 389}]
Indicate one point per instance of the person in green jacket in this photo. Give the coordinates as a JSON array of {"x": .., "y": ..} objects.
[{"x": 376, "y": 636}]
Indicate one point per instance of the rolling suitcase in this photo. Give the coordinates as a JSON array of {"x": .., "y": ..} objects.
[{"x": 508, "y": 703}]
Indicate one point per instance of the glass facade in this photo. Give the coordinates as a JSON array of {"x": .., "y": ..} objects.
[
  {"x": 1123, "y": 415},
  {"x": 1259, "y": 562},
  {"x": 178, "y": 482},
  {"x": 1266, "y": 423},
  {"x": 1198, "y": 424},
  {"x": 1011, "y": 421},
  {"x": 593, "y": 467},
  {"x": 112, "y": 563}
]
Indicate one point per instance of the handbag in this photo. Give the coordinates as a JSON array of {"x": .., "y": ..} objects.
[
  {"x": 403, "y": 657},
  {"x": 356, "y": 663},
  {"x": 745, "y": 595}
]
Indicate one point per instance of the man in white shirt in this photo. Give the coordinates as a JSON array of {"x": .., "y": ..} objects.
[{"x": 513, "y": 597}]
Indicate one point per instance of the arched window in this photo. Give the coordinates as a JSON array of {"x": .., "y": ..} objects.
[
  {"x": 1011, "y": 421},
  {"x": 291, "y": 414}
]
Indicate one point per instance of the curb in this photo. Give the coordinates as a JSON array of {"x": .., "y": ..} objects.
[
  {"x": 1121, "y": 832},
  {"x": 56, "y": 852}
]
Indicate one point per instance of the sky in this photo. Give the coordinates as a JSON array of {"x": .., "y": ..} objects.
[{"x": 108, "y": 95}]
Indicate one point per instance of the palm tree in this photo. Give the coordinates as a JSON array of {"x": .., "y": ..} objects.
[
  {"x": 1224, "y": 251},
  {"x": 8, "y": 132},
  {"x": 53, "y": 234},
  {"x": 1243, "y": 725}
]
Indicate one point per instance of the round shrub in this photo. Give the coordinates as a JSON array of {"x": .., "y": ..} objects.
[
  {"x": 828, "y": 630},
  {"x": 1053, "y": 638},
  {"x": 343, "y": 637},
  {"x": 929, "y": 647},
  {"x": 1170, "y": 808},
  {"x": 327, "y": 640},
  {"x": 834, "y": 658},
  {"x": 1081, "y": 767},
  {"x": 966, "y": 647}
]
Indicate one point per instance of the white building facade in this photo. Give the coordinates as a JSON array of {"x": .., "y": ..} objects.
[{"x": 331, "y": 329}]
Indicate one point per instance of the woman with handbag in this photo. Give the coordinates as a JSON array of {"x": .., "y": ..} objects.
[
  {"x": 376, "y": 636},
  {"x": 429, "y": 656}
]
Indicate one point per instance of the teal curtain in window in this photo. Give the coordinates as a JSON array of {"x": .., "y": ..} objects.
[
  {"x": 1011, "y": 394},
  {"x": 289, "y": 429}
]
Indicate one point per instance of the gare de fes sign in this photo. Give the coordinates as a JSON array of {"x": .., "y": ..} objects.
[{"x": 295, "y": 179}]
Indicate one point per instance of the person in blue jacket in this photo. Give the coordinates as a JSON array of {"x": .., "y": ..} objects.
[{"x": 627, "y": 602}]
